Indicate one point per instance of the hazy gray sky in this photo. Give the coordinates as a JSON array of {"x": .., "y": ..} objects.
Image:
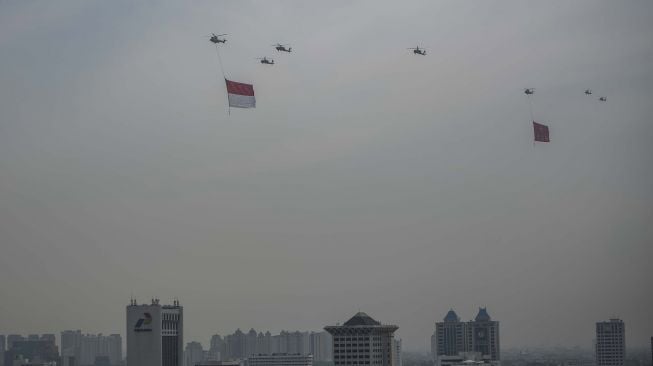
[{"x": 367, "y": 178}]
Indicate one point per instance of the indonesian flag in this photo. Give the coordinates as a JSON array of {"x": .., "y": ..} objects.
[
  {"x": 541, "y": 132},
  {"x": 240, "y": 95}
]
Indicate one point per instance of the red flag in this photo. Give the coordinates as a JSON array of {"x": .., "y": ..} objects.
[
  {"x": 541, "y": 132},
  {"x": 240, "y": 95}
]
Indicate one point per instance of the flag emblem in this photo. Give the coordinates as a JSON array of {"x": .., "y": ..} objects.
[
  {"x": 240, "y": 95},
  {"x": 541, "y": 132}
]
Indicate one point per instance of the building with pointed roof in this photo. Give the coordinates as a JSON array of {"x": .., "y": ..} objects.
[
  {"x": 364, "y": 341},
  {"x": 453, "y": 338}
]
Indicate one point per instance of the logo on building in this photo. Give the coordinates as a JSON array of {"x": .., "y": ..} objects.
[{"x": 144, "y": 324}]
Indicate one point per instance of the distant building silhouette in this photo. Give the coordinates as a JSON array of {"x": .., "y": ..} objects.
[
  {"x": 37, "y": 349},
  {"x": 363, "y": 341},
  {"x": 610, "y": 344},
  {"x": 194, "y": 353}
]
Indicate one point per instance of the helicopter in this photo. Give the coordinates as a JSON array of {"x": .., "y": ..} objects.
[
  {"x": 266, "y": 61},
  {"x": 418, "y": 51},
  {"x": 215, "y": 38},
  {"x": 588, "y": 92},
  {"x": 603, "y": 99},
  {"x": 281, "y": 47},
  {"x": 529, "y": 91}
]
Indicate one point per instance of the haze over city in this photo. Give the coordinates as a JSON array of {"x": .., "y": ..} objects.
[{"x": 367, "y": 178}]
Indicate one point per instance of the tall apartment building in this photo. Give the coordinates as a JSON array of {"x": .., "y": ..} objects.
[
  {"x": 455, "y": 341},
  {"x": 610, "y": 343},
  {"x": 362, "y": 341},
  {"x": 155, "y": 334},
  {"x": 83, "y": 349},
  {"x": 194, "y": 353},
  {"x": 321, "y": 344},
  {"x": 280, "y": 359}
]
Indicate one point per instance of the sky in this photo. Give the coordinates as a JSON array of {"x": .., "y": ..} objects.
[{"x": 367, "y": 178}]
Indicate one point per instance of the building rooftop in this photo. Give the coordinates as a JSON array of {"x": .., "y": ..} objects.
[
  {"x": 451, "y": 316},
  {"x": 482, "y": 315},
  {"x": 361, "y": 319}
]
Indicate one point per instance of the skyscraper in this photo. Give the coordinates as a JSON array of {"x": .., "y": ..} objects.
[
  {"x": 454, "y": 341},
  {"x": 362, "y": 341},
  {"x": 321, "y": 346},
  {"x": 71, "y": 346},
  {"x": 483, "y": 335},
  {"x": 155, "y": 334},
  {"x": 610, "y": 343},
  {"x": 194, "y": 353}
]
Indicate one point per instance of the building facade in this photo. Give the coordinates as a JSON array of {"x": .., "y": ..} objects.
[
  {"x": 476, "y": 340},
  {"x": 280, "y": 359},
  {"x": 610, "y": 345},
  {"x": 155, "y": 334},
  {"x": 321, "y": 344},
  {"x": 362, "y": 341}
]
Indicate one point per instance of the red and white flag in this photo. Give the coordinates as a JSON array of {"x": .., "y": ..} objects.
[
  {"x": 240, "y": 95},
  {"x": 541, "y": 132}
]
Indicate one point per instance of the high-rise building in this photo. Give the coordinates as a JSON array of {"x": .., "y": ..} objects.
[
  {"x": 71, "y": 343},
  {"x": 483, "y": 335},
  {"x": 216, "y": 349},
  {"x": 610, "y": 343},
  {"x": 83, "y": 349},
  {"x": 194, "y": 353},
  {"x": 321, "y": 346},
  {"x": 362, "y": 341},
  {"x": 280, "y": 359},
  {"x": 155, "y": 334},
  {"x": 454, "y": 341}
]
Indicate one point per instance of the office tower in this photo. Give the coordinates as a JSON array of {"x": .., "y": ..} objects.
[
  {"x": 321, "y": 346},
  {"x": 155, "y": 334},
  {"x": 454, "y": 341},
  {"x": 610, "y": 343},
  {"x": 397, "y": 352},
  {"x": 362, "y": 341},
  {"x": 280, "y": 359},
  {"x": 483, "y": 335},
  {"x": 194, "y": 353}
]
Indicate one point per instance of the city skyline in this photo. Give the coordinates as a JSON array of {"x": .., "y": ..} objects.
[{"x": 367, "y": 177}]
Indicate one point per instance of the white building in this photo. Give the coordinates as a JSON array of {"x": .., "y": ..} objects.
[
  {"x": 610, "y": 343},
  {"x": 280, "y": 359},
  {"x": 363, "y": 341},
  {"x": 155, "y": 334}
]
